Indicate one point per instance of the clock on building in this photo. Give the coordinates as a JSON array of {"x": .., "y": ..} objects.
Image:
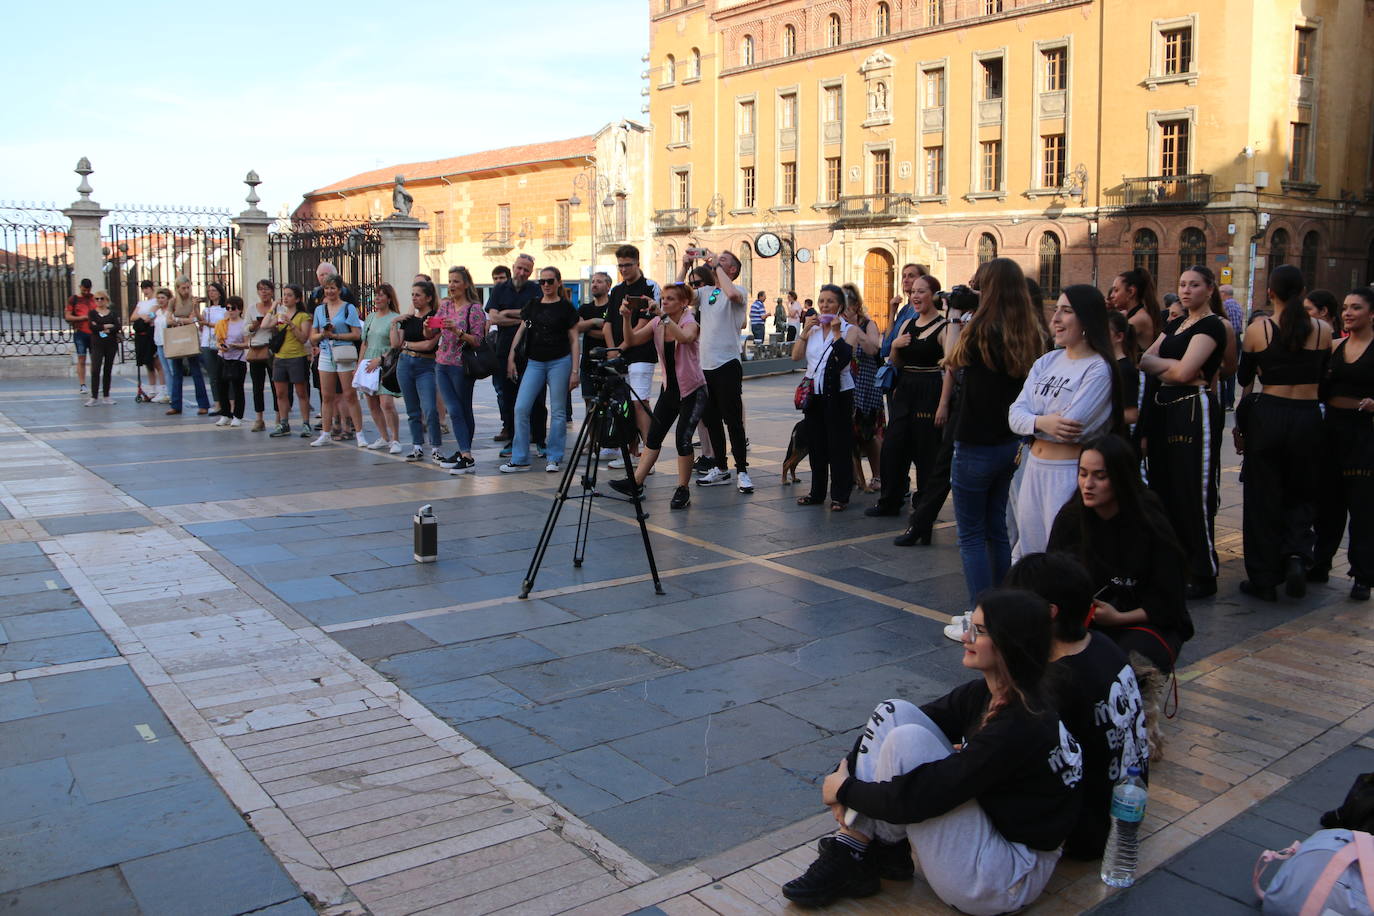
[
  {"x": 767, "y": 244},
  {"x": 804, "y": 255}
]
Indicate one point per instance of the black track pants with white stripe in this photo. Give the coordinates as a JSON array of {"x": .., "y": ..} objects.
[{"x": 1184, "y": 462}]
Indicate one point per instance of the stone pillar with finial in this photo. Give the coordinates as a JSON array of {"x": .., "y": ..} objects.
[
  {"x": 252, "y": 227},
  {"x": 85, "y": 216},
  {"x": 400, "y": 235}
]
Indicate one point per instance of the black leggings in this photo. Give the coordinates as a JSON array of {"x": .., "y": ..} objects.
[
  {"x": 830, "y": 443},
  {"x": 230, "y": 389},
  {"x": 725, "y": 410},
  {"x": 261, "y": 374},
  {"x": 934, "y": 489},
  {"x": 102, "y": 364},
  {"x": 1280, "y": 489},
  {"x": 685, "y": 411},
  {"x": 1350, "y": 443},
  {"x": 1184, "y": 463},
  {"x": 911, "y": 435}
]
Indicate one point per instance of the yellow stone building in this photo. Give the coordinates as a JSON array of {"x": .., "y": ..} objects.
[
  {"x": 568, "y": 203},
  {"x": 1079, "y": 137}
]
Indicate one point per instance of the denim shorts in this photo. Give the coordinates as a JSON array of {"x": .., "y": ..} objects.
[
  {"x": 82, "y": 339},
  {"x": 295, "y": 370}
]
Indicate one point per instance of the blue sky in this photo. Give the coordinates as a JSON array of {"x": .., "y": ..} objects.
[{"x": 175, "y": 102}]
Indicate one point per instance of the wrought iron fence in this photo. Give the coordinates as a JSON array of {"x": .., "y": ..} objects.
[
  {"x": 35, "y": 281},
  {"x": 298, "y": 246}
]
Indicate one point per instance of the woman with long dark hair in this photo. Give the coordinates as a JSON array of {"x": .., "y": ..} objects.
[
  {"x": 1183, "y": 423},
  {"x": 1279, "y": 432},
  {"x": 827, "y": 344},
  {"x": 1128, "y": 378},
  {"x": 915, "y": 429},
  {"x": 1071, "y": 396},
  {"x": 415, "y": 371},
  {"x": 1349, "y": 396},
  {"x": 1322, "y": 305},
  {"x": 553, "y": 353},
  {"x": 1005, "y": 800},
  {"x": 992, "y": 355},
  {"x": 1120, "y": 531},
  {"x": 1133, "y": 294},
  {"x": 290, "y": 362},
  {"x": 376, "y": 344},
  {"x": 260, "y": 371}
]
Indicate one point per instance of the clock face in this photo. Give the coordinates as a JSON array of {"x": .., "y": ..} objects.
[
  {"x": 767, "y": 244},
  {"x": 803, "y": 254}
]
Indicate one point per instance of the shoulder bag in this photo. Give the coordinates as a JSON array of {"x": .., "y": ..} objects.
[
  {"x": 180, "y": 341},
  {"x": 481, "y": 361}
]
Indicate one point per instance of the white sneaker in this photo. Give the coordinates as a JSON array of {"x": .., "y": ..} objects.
[
  {"x": 608, "y": 454},
  {"x": 235, "y": 423},
  {"x": 322, "y": 440},
  {"x": 745, "y": 484},
  {"x": 222, "y": 421},
  {"x": 361, "y": 442},
  {"x": 91, "y": 402},
  {"x": 552, "y": 467},
  {"x": 955, "y": 631},
  {"x": 378, "y": 444},
  {"x": 395, "y": 448},
  {"x": 165, "y": 399},
  {"x": 435, "y": 455},
  {"x": 107, "y": 401},
  {"x": 714, "y": 478},
  {"x": 618, "y": 462},
  {"x": 509, "y": 468}
]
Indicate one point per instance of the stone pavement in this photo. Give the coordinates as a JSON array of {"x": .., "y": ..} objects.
[{"x": 411, "y": 737}]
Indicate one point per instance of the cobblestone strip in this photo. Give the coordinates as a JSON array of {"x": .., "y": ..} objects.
[{"x": 370, "y": 801}]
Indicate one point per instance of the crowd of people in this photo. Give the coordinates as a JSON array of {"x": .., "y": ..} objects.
[{"x": 1080, "y": 440}]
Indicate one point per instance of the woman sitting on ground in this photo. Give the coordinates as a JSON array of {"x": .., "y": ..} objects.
[
  {"x": 1118, "y": 529},
  {"x": 1099, "y": 698},
  {"x": 986, "y": 823},
  {"x": 683, "y": 398}
]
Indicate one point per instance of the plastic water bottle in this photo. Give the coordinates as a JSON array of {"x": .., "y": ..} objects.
[{"x": 1123, "y": 842}]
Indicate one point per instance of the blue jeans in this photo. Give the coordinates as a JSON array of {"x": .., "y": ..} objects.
[
  {"x": 166, "y": 366},
  {"x": 456, "y": 387},
  {"x": 980, "y": 477},
  {"x": 555, "y": 374},
  {"x": 179, "y": 369},
  {"x": 416, "y": 377}
]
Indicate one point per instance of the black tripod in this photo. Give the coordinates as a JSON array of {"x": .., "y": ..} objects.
[{"x": 612, "y": 392}]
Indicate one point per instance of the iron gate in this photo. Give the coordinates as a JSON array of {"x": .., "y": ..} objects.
[
  {"x": 35, "y": 281},
  {"x": 298, "y": 246}
]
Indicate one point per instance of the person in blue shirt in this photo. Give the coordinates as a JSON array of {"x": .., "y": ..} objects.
[{"x": 758, "y": 314}]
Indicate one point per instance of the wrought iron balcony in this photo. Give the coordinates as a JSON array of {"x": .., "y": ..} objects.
[
  {"x": 497, "y": 241},
  {"x": 680, "y": 220},
  {"x": 872, "y": 209},
  {"x": 557, "y": 240},
  {"x": 1162, "y": 191}
]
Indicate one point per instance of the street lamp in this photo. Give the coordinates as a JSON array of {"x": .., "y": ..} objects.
[{"x": 596, "y": 185}]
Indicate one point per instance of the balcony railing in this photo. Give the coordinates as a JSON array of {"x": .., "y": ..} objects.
[
  {"x": 872, "y": 208},
  {"x": 1162, "y": 191},
  {"x": 680, "y": 220},
  {"x": 557, "y": 240},
  {"x": 496, "y": 241}
]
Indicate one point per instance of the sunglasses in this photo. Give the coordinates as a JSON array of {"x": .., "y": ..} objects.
[
  {"x": 547, "y": 281},
  {"x": 970, "y": 630}
]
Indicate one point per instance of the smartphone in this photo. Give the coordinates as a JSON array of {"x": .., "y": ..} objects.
[
  {"x": 433, "y": 321},
  {"x": 694, "y": 253},
  {"x": 638, "y": 302}
]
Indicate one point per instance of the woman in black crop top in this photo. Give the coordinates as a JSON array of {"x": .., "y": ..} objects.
[
  {"x": 920, "y": 404},
  {"x": 1279, "y": 432},
  {"x": 1349, "y": 442},
  {"x": 1183, "y": 422}
]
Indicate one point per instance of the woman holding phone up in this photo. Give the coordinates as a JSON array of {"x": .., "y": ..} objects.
[{"x": 827, "y": 344}]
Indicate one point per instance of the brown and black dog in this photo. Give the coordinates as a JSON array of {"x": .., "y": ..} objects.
[{"x": 797, "y": 452}]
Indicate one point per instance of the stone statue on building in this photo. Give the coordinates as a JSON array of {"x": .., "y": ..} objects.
[{"x": 401, "y": 200}]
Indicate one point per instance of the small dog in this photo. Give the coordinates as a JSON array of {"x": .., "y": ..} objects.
[
  {"x": 797, "y": 451},
  {"x": 1357, "y": 812}
]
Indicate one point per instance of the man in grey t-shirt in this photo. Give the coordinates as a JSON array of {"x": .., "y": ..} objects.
[{"x": 723, "y": 314}]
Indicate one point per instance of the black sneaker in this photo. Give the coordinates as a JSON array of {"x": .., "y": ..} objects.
[
  {"x": 681, "y": 497},
  {"x": 703, "y": 464},
  {"x": 1359, "y": 592},
  {"x": 837, "y": 872},
  {"x": 305, "y": 430},
  {"x": 452, "y": 461},
  {"x": 464, "y": 466},
  {"x": 892, "y": 860},
  {"x": 281, "y": 429},
  {"x": 626, "y": 488}
]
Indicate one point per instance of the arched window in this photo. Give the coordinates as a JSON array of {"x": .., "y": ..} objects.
[
  {"x": 1192, "y": 248},
  {"x": 882, "y": 20},
  {"x": 746, "y": 50},
  {"x": 670, "y": 257},
  {"x": 1310, "y": 243},
  {"x": 987, "y": 248},
  {"x": 833, "y": 34},
  {"x": 789, "y": 40},
  {"x": 696, "y": 64},
  {"x": 1278, "y": 248},
  {"x": 669, "y": 69},
  {"x": 1145, "y": 251},
  {"x": 1051, "y": 260},
  {"x": 746, "y": 266}
]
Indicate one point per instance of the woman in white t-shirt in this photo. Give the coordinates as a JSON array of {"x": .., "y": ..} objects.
[
  {"x": 213, "y": 313},
  {"x": 827, "y": 344},
  {"x": 145, "y": 348},
  {"x": 164, "y": 300}
]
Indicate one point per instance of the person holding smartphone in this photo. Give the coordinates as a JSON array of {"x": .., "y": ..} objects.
[
  {"x": 639, "y": 292},
  {"x": 415, "y": 371},
  {"x": 336, "y": 323}
]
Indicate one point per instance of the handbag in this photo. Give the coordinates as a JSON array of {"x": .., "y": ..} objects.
[
  {"x": 343, "y": 353},
  {"x": 802, "y": 396},
  {"x": 180, "y": 341},
  {"x": 391, "y": 360},
  {"x": 481, "y": 361},
  {"x": 885, "y": 377}
]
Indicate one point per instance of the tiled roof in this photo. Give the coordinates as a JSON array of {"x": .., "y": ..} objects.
[{"x": 473, "y": 162}]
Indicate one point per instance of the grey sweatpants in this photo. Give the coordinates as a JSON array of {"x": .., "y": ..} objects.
[
  {"x": 965, "y": 860},
  {"x": 1045, "y": 487}
]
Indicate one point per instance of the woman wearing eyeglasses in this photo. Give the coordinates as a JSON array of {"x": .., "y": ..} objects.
[
  {"x": 981, "y": 786},
  {"x": 231, "y": 341},
  {"x": 104, "y": 344},
  {"x": 548, "y": 328}
]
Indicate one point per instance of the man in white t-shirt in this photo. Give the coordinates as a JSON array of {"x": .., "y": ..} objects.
[
  {"x": 723, "y": 314},
  {"x": 145, "y": 347}
]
